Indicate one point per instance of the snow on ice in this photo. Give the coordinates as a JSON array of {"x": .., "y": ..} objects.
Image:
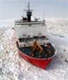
[{"x": 13, "y": 67}]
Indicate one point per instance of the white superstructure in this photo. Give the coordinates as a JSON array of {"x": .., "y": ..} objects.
[{"x": 30, "y": 28}]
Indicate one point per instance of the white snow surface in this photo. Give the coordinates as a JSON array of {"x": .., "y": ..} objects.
[{"x": 13, "y": 67}]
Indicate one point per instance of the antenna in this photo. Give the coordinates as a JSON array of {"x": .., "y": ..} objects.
[
  {"x": 28, "y": 5},
  {"x": 43, "y": 15}
]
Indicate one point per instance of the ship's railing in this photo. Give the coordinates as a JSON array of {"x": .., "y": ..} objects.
[
  {"x": 29, "y": 23},
  {"x": 33, "y": 38}
]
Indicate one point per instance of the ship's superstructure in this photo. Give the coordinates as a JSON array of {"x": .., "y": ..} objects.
[{"x": 26, "y": 28}]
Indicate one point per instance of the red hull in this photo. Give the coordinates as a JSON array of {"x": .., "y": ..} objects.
[{"x": 42, "y": 63}]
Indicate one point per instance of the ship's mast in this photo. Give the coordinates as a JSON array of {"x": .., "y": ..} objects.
[
  {"x": 29, "y": 12},
  {"x": 29, "y": 6}
]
